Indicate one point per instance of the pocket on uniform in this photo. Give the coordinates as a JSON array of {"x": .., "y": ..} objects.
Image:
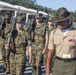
[
  {"x": 57, "y": 42},
  {"x": 71, "y": 42}
]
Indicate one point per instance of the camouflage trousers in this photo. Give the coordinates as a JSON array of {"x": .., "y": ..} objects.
[
  {"x": 5, "y": 56},
  {"x": 45, "y": 58},
  {"x": 17, "y": 63},
  {"x": 36, "y": 59}
]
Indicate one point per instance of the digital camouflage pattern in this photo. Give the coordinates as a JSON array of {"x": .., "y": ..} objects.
[
  {"x": 4, "y": 39},
  {"x": 51, "y": 28},
  {"x": 18, "y": 53},
  {"x": 38, "y": 45}
]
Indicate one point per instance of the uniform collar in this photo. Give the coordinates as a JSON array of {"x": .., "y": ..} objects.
[{"x": 59, "y": 32}]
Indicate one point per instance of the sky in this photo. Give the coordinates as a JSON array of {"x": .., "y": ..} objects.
[{"x": 55, "y": 4}]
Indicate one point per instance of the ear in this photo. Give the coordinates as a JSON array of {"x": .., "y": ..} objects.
[{"x": 68, "y": 20}]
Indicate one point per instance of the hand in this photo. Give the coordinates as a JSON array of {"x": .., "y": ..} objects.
[
  {"x": 7, "y": 47},
  {"x": 44, "y": 50}
]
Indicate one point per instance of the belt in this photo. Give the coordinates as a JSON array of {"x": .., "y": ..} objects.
[
  {"x": 19, "y": 53},
  {"x": 66, "y": 59}
]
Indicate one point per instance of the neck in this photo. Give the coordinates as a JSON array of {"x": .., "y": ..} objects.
[
  {"x": 50, "y": 25},
  {"x": 38, "y": 23},
  {"x": 20, "y": 30},
  {"x": 68, "y": 26}
]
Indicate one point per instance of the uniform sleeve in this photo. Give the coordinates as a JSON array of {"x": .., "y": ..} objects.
[
  {"x": 12, "y": 42},
  {"x": 29, "y": 42},
  {"x": 28, "y": 34},
  {"x": 1, "y": 32},
  {"x": 51, "y": 41},
  {"x": 29, "y": 39}
]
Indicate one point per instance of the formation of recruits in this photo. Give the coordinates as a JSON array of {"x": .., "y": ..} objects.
[
  {"x": 43, "y": 41},
  {"x": 14, "y": 57}
]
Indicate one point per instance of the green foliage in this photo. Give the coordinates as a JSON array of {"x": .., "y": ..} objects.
[
  {"x": 74, "y": 17},
  {"x": 33, "y": 4}
]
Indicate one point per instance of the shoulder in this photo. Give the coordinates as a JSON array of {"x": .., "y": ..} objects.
[
  {"x": 26, "y": 28},
  {"x": 43, "y": 24},
  {"x": 8, "y": 27},
  {"x": 53, "y": 32}
]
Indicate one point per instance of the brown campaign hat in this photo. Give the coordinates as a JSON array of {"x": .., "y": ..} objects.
[{"x": 62, "y": 14}]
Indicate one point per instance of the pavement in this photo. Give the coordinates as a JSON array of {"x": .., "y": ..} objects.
[{"x": 28, "y": 70}]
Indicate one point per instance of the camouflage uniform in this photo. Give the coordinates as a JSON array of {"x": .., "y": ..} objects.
[
  {"x": 38, "y": 46},
  {"x": 18, "y": 52},
  {"x": 4, "y": 39}
]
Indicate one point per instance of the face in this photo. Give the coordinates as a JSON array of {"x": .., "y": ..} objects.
[
  {"x": 7, "y": 21},
  {"x": 63, "y": 24},
  {"x": 19, "y": 25},
  {"x": 50, "y": 22},
  {"x": 38, "y": 20}
]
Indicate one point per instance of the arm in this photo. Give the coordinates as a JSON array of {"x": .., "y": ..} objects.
[
  {"x": 29, "y": 47},
  {"x": 30, "y": 51},
  {"x": 46, "y": 39},
  {"x": 46, "y": 43},
  {"x": 12, "y": 43},
  {"x": 30, "y": 54},
  {"x": 49, "y": 60},
  {"x": 51, "y": 50}
]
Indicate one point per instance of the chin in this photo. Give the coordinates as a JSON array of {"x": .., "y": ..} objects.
[{"x": 60, "y": 27}]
